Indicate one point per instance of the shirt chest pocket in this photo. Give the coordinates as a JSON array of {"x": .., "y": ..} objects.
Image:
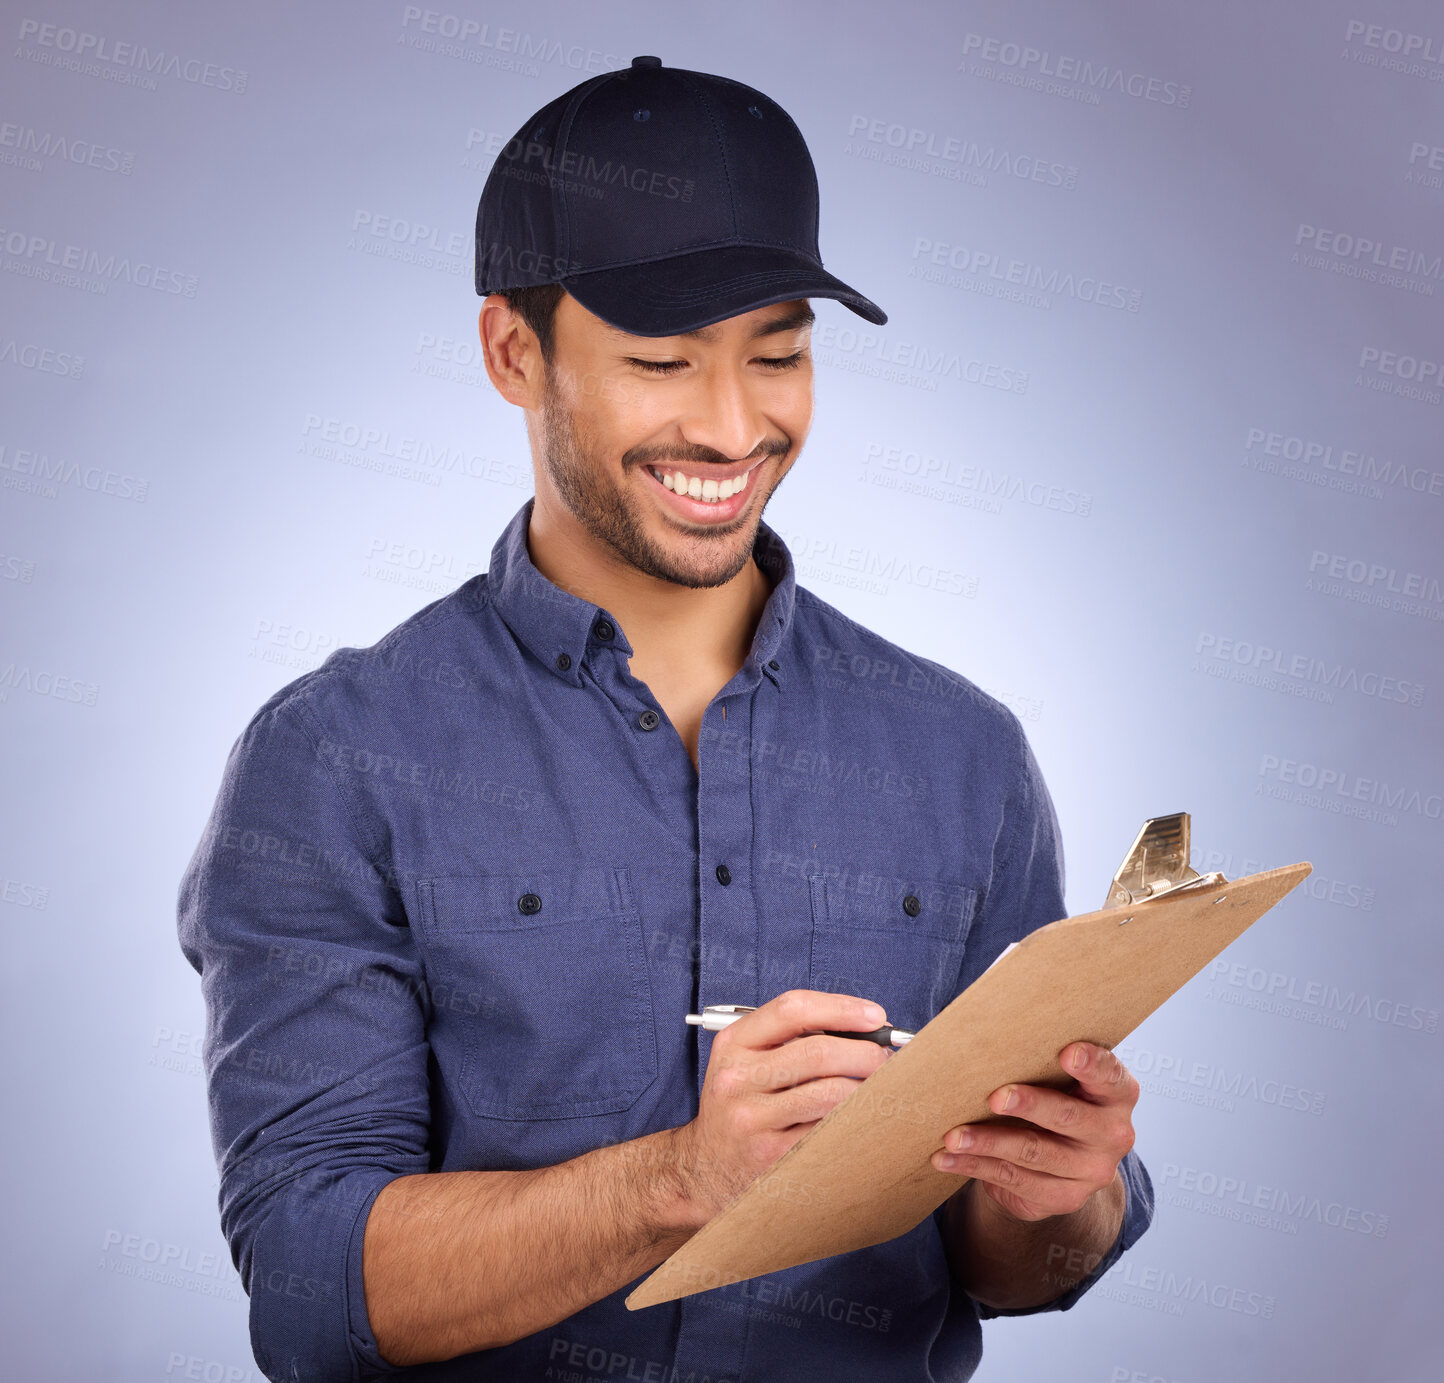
[
  {"x": 901, "y": 946},
  {"x": 541, "y": 1003}
]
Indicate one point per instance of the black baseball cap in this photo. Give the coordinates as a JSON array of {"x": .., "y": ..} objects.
[{"x": 662, "y": 200}]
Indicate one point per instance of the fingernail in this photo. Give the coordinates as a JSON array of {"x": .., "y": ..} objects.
[
  {"x": 872, "y": 1013},
  {"x": 1080, "y": 1059},
  {"x": 1010, "y": 1099},
  {"x": 963, "y": 1140}
]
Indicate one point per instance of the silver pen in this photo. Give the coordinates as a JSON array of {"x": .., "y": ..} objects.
[{"x": 715, "y": 1017}]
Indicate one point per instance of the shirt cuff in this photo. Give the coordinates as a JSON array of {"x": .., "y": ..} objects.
[
  {"x": 358, "y": 1323},
  {"x": 307, "y": 1290},
  {"x": 1137, "y": 1216}
]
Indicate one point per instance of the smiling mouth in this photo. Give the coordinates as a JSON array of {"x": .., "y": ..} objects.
[{"x": 708, "y": 490}]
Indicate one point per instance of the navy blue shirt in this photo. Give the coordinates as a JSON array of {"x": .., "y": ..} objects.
[{"x": 459, "y": 889}]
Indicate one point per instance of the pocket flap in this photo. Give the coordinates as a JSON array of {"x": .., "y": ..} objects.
[{"x": 494, "y": 902}]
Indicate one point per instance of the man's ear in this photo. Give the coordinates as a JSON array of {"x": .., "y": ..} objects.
[{"x": 512, "y": 352}]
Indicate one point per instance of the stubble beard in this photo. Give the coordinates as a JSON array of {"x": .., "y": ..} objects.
[{"x": 576, "y": 470}]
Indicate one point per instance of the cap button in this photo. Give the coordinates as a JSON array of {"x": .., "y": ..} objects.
[{"x": 646, "y": 62}]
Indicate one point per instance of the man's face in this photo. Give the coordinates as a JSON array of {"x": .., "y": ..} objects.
[{"x": 666, "y": 449}]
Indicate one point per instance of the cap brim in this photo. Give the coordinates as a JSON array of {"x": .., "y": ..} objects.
[{"x": 665, "y": 297}]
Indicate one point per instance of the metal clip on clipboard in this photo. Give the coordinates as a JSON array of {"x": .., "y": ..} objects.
[{"x": 1157, "y": 864}]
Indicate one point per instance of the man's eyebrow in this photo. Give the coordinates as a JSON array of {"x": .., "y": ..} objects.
[
  {"x": 803, "y": 316},
  {"x": 789, "y": 321}
]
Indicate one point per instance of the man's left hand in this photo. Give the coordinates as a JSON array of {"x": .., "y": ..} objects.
[{"x": 1070, "y": 1152}]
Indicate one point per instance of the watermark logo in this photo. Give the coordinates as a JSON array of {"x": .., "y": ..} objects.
[
  {"x": 1426, "y": 165},
  {"x": 1213, "y": 1086},
  {"x": 417, "y": 568},
  {"x": 291, "y": 645},
  {"x": 372, "y": 448},
  {"x": 21, "y": 569},
  {"x": 120, "y": 61},
  {"x": 805, "y": 767},
  {"x": 1367, "y": 259},
  {"x": 964, "y": 484},
  {"x": 1319, "y": 887},
  {"x": 175, "y": 1050},
  {"x": 1064, "y": 75},
  {"x": 451, "y": 784},
  {"x": 1373, "y": 583},
  {"x": 46, "y": 682},
  {"x": 895, "y": 145},
  {"x": 1401, "y": 375},
  {"x": 42, "y": 475},
  {"x": 45, "y": 360},
  {"x": 146, "y": 1259},
  {"x": 1311, "y": 1000},
  {"x": 905, "y": 362},
  {"x": 450, "y": 359},
  {"x": 1344, "y": 469},
  {"x": 860, "y": 567},
  {"x": 16, "y": 893},
  {"x": 23, "y": 146},
  {"x": 1394, "y": 50},
  {"x": 1277, "y": 1208},
  {"x": 451, "y": 35},
  {"x": 576, "y": 171},
  {"x": 44, "y": 260},
  {"x": 410, "y": 242},
  {"x": 1163, "y": 1289},
  {"x": 1302, "y": 675},
  {"x": 196, "y": 1368},
  {"x": 1342, "y": 793},
  {"x": 992, "y": 275}
]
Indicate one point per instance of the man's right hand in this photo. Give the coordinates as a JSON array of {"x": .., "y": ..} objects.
[
  {"x": 555, "y": 1239},
  {"x": 771, "y": 1076}
]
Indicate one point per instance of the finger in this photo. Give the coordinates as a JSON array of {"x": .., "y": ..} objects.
[
  {"x": 1037, "y": 1150},
  {"x": 1050, "y": 1109},
  {"x": 1028, "y": 1147},
  {"x": 805, "y": 1103},
  {"x": 803, "y": 1059},
  {"x": 1103, "y": 1078},
  {"x": 800, "y": 1011},
  {"x": 1046, "y": 1195}
]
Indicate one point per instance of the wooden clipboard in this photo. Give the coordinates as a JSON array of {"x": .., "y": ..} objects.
[{"x": 863, "y": 1175}]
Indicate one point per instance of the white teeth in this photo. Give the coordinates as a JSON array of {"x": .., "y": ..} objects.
[{"x": 709, "y": 491}]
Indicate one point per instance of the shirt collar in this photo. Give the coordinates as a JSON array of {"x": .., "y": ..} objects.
[{"x": 560, "y": 629}]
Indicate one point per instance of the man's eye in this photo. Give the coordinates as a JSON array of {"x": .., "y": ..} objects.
[
  {"x": 658, "y": 367},
  {"x": 781, "y": 362}
]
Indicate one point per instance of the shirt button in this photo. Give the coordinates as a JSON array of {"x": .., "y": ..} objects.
[
  {"x": 564, "y": 661},
  {"x": 724, "y": 875},
  {"x": 529, "y": 903},
  {"x": 649, "y": 720},
  {"x": 774, "y": 664},
  {"x": 603, "y": 629},
  {"x": 911, "y": 906}
]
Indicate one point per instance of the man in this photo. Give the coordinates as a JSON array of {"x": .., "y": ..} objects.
[{"x": 460, "y": 889}]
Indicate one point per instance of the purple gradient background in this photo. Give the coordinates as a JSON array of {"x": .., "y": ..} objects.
[{"x": 251, "y": 553}]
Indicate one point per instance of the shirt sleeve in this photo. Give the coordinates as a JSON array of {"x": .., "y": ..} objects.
[
  {"x": 1025, "y": 889},
  {"x": 315, "y": 1054},
  {"x": 1026, "y": 892},
  {"x": 1137, "y": 1216}
]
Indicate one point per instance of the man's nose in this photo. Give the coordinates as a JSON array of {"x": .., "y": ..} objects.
[{"x": 724, "y": 416}]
